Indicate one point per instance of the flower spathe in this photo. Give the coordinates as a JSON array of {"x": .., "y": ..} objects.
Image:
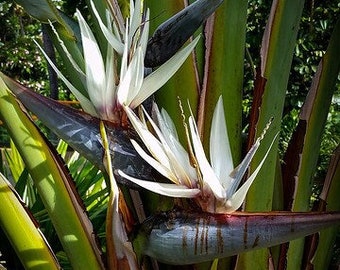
[{"x": 214, "y": 184}]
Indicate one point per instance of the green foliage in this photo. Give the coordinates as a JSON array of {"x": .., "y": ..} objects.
[
  {"x": 19, "y": 56},
  {"x": 20, "y": 59},
  {"x": 90, "y": 184},
  {"x": 317, "y": 22}
]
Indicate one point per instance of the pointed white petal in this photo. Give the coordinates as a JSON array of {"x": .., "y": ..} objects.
[
  {"x": 238, "y": 197},
  {"x": 153, "y": 145},
  {"x": 135, "y": 19},
  {"x": 111, "y": 38},
  {"x": 124, "y": 64},
  {"x": 132, "y": 80},
  {"x": 145, "y": 33},
  {"x": 175, "y": 156},
  {"x": 160, "y": 76},
  {"x": 110, "y": 88},
  {"x": 94, "y": 64},
  {"x": 220, "y": 153},
  {"x": 84, "y": 101},
  {"x": 171, "y": 190},
  {"x": 238, "y": 173},
  {"x": 160, "y": 167},
  {"x": 166, "y": 124},
  {"x": 208, "y": 174},
  {"x": 170, "y": 133},
  {"x": 132, "y": 8}
]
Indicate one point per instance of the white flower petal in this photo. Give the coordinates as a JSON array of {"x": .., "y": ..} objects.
[
  {"x": 161, "y": 75},
  {"x": 84, "y": 101},
  {"x": 145, "y": 33},
  {"x": 160, "y": 167},
  {"x": 111, "y": 38},
  {"x": 175, "y": 155},
  {"x": 94, "y": 64},
  {"x": 220, "y": 153},
  {"x": 132, "y": 80},
  {"x": 124, "y": 63},
  {"x": 110, "y": 88},
  {"x": 238, "y": 197},
  {"x": 208, "y": 174},
  {"x": 171, "y": 190},
  {"x": 153, "y": 145},
  {"x": 165, "y": 123},
  {"x": 135, "y": 19},
  {"x": 170, "y": 134},
  {"x": 238, "y": 173}
]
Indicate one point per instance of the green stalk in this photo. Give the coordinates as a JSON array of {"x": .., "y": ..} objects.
[
  {"x": 277, "y": 53},
  {"x": 51, "y": 180},
  {"x": 26, "y": 239}
]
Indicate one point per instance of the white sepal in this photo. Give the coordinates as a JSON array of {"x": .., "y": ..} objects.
[{"x": 170, "y": 190}]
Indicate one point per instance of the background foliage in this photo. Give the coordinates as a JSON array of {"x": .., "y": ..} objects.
[{"x": 20, "y": 59}]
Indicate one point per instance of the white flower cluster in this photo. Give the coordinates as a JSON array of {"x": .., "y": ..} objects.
[
  {"x": 107, "y": 88},
  {"x": 213, "y": 185}
]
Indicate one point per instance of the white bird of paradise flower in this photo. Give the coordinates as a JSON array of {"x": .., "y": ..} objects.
[
  {"x": 215, "y": 185},
  {"x": 106, "y": 87}
]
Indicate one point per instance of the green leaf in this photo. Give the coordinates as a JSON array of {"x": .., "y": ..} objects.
[
  {"x": 276, "y": 58},
  {"x": 14, "y": 160},
  {"x": 308, "y": 135},
  {"x": 327, "y": 237},
  {"x": 43, "y": 10},
  {"x": 223, "y": 72},
  {"x": 27, "y": 241},
  {"x": 53, "y": 184}
]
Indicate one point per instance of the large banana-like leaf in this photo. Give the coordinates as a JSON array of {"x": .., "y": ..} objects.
[
  {"x": 20, "y": 227},
  {"x": 276, "y": 57},
  {"x": 302, "y": 154},
  {"x": 46, "y": 11},
  {"x": 54, "y": 185},
  {"x": 43, "y": 10},
  {"x": 225, "y": 34},
  {"x": 321, "y": 254}
]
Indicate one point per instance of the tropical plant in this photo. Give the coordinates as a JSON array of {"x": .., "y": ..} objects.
[{"x": 112, "y": 67}]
